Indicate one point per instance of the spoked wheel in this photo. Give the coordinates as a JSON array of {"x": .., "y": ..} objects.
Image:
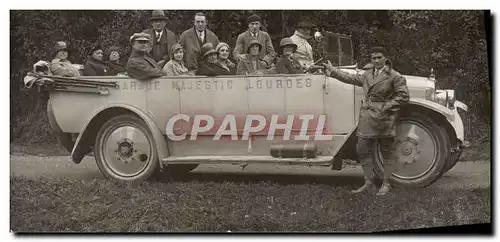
[
  {"x": 125, "y": 149},
  {"x": 422, "y": 151}
]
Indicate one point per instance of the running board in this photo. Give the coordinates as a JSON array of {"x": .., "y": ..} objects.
[{"x": 319, "y": 160}]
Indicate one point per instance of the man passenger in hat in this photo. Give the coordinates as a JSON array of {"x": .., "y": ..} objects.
[
  {"x": 161, "y": 38},
  {"x": 385, "y": 92},
  {"x": 194, "y": 38},
  {"x": 140, "y": 66},
  {"x": 304, "y": 52},
  {"x": 60, "y": 65},
  {"x": 266, "y": 54}
]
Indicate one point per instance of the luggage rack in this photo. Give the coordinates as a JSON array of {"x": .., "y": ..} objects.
[{"x": 71, "y": 84}]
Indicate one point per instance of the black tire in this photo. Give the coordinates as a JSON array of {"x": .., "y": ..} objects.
[
  {"x": 441, "y": 147},
  {"x": 454, "y": 158},
  {"x": 144, "y": 155}
]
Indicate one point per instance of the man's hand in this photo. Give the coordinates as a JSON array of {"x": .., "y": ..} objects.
[
  {"x": 241, "y": 57},
  {"x": 263, "y": 63},
  {"x": 328, "y": 65}
]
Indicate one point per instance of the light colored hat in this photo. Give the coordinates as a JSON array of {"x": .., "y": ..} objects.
[
  {"x": 254, "y": 42},
  {"x": 139, "y": 36},
  {"x": 60, "y": 45},
  {"x": 207, "y": 49},
  {"x": 220, "y": 45},
  {"x": 173, "y": 49},
  {"x": 287, "y": 41}
]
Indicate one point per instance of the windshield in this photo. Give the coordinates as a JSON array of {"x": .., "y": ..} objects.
[{"x": 338, "y": 49}]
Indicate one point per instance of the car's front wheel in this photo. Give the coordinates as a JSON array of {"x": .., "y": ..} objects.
[
  {"x": 125, "y": 149},
  {"x": 422, "y": 151}
]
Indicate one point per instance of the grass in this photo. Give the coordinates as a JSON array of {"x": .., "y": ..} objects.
[{"x": 56, "y": 205}]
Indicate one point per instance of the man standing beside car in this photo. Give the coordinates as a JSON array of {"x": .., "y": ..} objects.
[
  {"x": 385, "y": 92},
  {"x": 267, "y": 53},
  {"x": 162, "y": 39}
]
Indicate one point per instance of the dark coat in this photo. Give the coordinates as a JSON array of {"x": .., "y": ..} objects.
[
  {"x": 245, "y": 67},
  {"x": 232, "y": 68},
  {"x": 142, "y": 67},
  {"x": 115, "y": 68},
  {"x": 190, "y": 42},
  {"x": 267, "y": 52},
  {"x": 211, "y": 69},
  {"x": 384, "y": 96},
  {"x": 287, "y": 66},
  {"x": 159, "y": 50},
  {"x": 95, "y": 67}
]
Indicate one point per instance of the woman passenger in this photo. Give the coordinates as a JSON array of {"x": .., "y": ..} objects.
[
  {"x": 223, "y": 50},
  {"x": 114, "y": 64},
  {"x": 176, "y": 67},
  {"x": 251, "y": 64},
  {"x": 287, "y": 64},
  {"x": 95, "y": 66},
  {"x": 209, "y": 66}
]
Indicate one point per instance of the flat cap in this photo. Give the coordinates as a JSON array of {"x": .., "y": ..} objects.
[{"x": 139, "y": 36}]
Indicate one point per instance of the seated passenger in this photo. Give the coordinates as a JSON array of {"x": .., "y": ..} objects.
[
  {"x": 251, "y": 64},
  {"x": 223, "y": 51},
  {"x": 287, "y": 64},
  {"x": 95, "y": 66},
  {"x": 140, "y": 66},
  {"x": 115, "y": 66},
  {"x": 209, "y": 66},
  {"x": 60, "y": 65},
  {"x": 175, "y": 66}
]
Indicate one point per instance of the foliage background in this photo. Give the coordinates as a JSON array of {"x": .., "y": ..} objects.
[{"x": 454, "y": 43}]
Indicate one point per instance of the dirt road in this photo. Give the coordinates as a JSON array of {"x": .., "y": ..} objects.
[{"x": 464, "y": 174}]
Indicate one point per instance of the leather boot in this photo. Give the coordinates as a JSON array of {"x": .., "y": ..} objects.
[
  {"x": 385, "y": 188},
  {"x": 368, "y": 185}
]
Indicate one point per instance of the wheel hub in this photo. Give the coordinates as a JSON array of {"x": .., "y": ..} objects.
[
  {"x": 125, "y": 149},
  {"x": 408, "y": 150}
]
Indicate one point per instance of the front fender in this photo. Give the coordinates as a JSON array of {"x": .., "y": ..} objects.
[
  {"x": 434, "y": 106},
  {"x": 80, "y": 149},
  {"x": 451, "y": 115}
]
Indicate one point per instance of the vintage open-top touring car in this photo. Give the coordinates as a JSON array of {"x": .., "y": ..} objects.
[{"x": 173, "y": 124}]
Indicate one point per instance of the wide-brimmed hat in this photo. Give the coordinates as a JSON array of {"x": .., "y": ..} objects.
[
  {"x": 287, "y": 42},
  {"x": 139, "y": 36},
  {"x": 173, "y": 49},
  {"x": 207, "y": 49},
  {"x": 305, "y": 23},
  {"x": 60, "y": 45},
  {"x": 254, "y": 42},
  {"x": 158, "y": 15}
]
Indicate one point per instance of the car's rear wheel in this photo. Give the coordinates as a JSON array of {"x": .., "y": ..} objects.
[
  {"x": 422, "y": 151},
  {"x": 125, "y": 149}
]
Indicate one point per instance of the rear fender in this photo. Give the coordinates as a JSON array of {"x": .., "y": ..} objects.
[{"x": 86, "y": 138}]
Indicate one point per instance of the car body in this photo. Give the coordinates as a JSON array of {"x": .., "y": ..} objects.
[{"x": 125, "y": 122}]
